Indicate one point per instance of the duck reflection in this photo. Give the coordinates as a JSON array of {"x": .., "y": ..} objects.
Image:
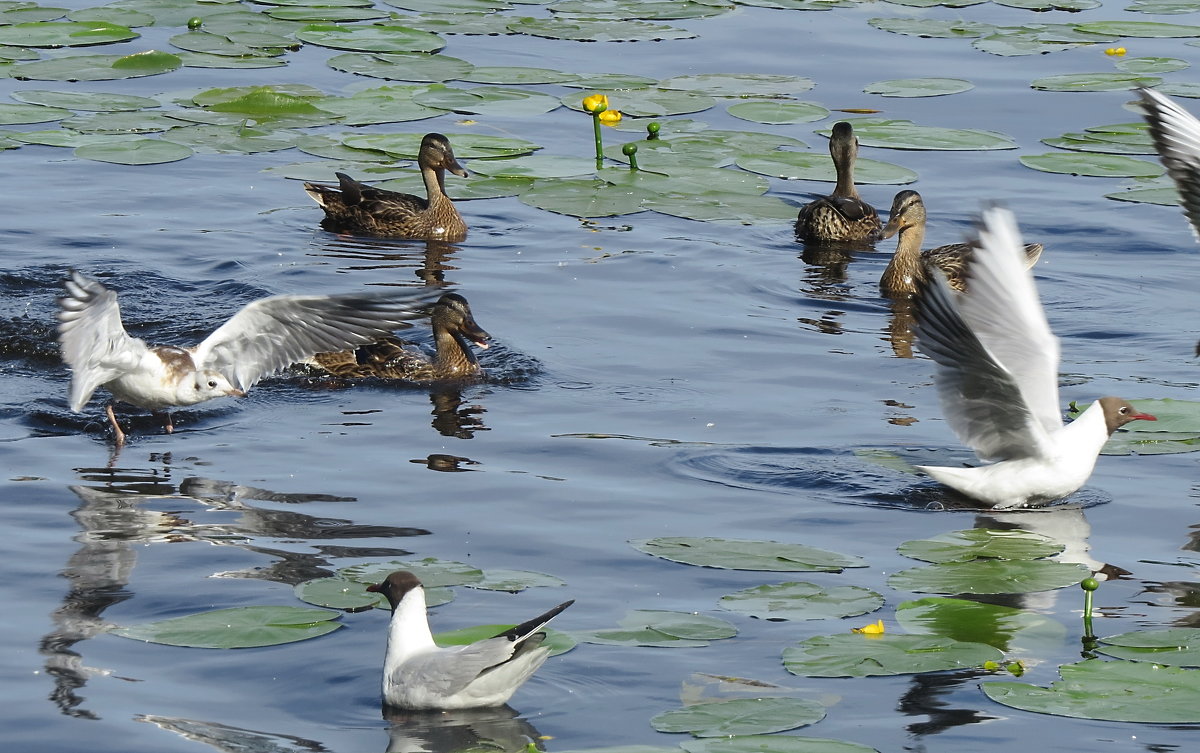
[
  {"x": 115, "y": 521},
  {"x": 498, "y": 730},
  {"x": 452, "y": 416},
  {"x": 429, "y": 261},
  {"x": 900, "y": 330}
]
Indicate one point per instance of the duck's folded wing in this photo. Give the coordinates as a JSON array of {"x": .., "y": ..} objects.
[
  {"x": 1176, "y": 136},
  {"x": 275, "y": 332},
  {"x": 980, "y": 399},
  {"x": 92, "y": 338}
]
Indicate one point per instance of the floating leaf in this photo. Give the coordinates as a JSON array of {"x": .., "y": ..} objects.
[
  {"x": 489, "y": 100},
  {"x": 231, "y": 139},
  {"x": 121, "y": 122},
  {"x": 21, "y": 114},
  {"x": 1117, "y": 691},
  {"x": 648, "y": 103},
  {"x": 644, "y": 9},
  {"x": 1163, "y": 195},
  {"x": 62, "y": 137},
  {"x": 596, "y": 30},
  {"x": 1140, "y": 66},
  {"x": 1094, "y": 82},
  {"x": 1177, "y": 647},
  {"x": 718, "y": 206},
  {"x": 112, "y": 15},
  {"x": 1181, "y": 89},
  {"x": 981, "y": 543},
  {"x": 1006, "y": 628},
  {"x": 537, "y": 166},
  {"x": 557, "y": 641},
  {"x": 515, "y": 75},
  {"x": 904, "y": 134},
  {"x": 371, "y": 38},
  {"x": 740, "y": 716},
  {"x": 461, "y": 23},
  {"x": 776, "y": 112},
  {"x": 413, "y": 66},
  {"x": 659, "y": 628},
  {"x": 92, "y": 101},
  {"x": 1138, "y": 29},
  {"x": 382, "y": 104},
  {"x": 931, "y": 27},
  {"x": 773, "y": 744},
  {"x": 814, "y": 166},
  {"x": 802, "y": 601},
  {"x": 1099, "y": 165},
  {"x": 1049, "y": 5},
  {"x": 515, "y": 580},
  {"x": 431, "y": 571},
  {"x": 610, "y": 82},
  {"x": 683, "y": 180},
  {"x": 739, "y": 84},
  {"x": 919, "y": 87},
  {"x": 742, "y": 554},
  {"x": 326, "y": 14},
  {"x": 134, "y": 152},
  {"x": 201, "y": 60},
  {"x": 859, "y": 655},
  {"x": 28, "y": 13},
  {"x": 239, "y": 627},
  {"x": 989, "y": 577},
  {"x": 582, "y": 198},
  {"x": 92, "y": 68},
  {"x": 218, "y": 44},
  {"x": 338, "y": 593},
  {"x": 450, "y": 6},
  {"x": 466, "y": 145},
  {"x": 64, "y": 34}
]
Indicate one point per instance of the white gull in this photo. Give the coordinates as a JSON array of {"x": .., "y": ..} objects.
[{"x": 1176, "y": 136}]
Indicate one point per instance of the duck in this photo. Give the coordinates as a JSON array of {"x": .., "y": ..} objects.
[
  {"x": 454, "y": 328},
  {"x": 263, "y": 337},
  {"x": 997, "y": 379},
  {"x": 359, "y": 209},
  {"x": 909, "y": 268},
  {"x": 842, "y": 215},
  {"x": 420, "y": 675}
]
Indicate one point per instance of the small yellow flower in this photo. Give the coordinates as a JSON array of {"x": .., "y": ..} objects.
[
  {"x": 610, "y": 117},
  {"x": 1117, "y": 51},
  {"x": 595, "y": 103},
  {"x": 875, "y": 628}
]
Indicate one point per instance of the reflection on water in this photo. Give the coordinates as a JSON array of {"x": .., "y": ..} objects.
[
  {"x": 231, "y": 739},
  {"x": 428, "y": 260},
  {"x": 451, "y": 418},
  {"x": 496, "y": 729}
]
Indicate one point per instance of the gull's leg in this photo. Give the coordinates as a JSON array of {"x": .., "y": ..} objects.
[
  {"x": 118, "y": 435},
  {"x": 168, "y": 424}
]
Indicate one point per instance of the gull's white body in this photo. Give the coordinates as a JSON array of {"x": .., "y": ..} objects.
[{"x": 998, "y": 380}]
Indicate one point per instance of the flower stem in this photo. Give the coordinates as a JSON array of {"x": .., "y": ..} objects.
[{"x": 599, "y": 139}]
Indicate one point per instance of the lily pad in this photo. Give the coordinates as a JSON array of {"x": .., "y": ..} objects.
[
  {"x": 644, "y": 9},
  {"x": 904, "y": 134},
  {"x": 22, "y": 114},
  {"x": 431, "y": 571},
  {"x": 515, "y": 580},
  {"x": 112, "y": 15},
  {"x": 597, "y": 30},
  {"x": 239, "y": 627},
  {"x": 1119, "y": 691},
  {"x": 801, "y": 601},
  {"x": 1177, "y": 647},
  {"x": 742, "y": 554},
  {"x": 1176, "y": 430},
  {"x": 516, "y": 75},
  {"x": 776, "y": 112},
  {"x": 1141, "y": 66},
  {"x": 1043, "y": 6},
  {"x": 739, "y": 84},
  {"x": 28, "y": 13},
  {"x": 489, "y": 100},
  {"x": 1098, "y": 165},
  {"x": 537, "y": 166},
  {"x": 1020, "y": 41},
  {"x": 662, "y": 629},
  {"x": 310, "y": 14},
  {"x": 478, "y": 187},
  {"x": 202, "y": 60},
  {"x": 450, "y": 6},
  {"x": 858, "y": 655},
  {"x": 64, "y": 34},
  {"x": 97, "y": 67},
  {"x": 989, "y": 577},
  {"x": 492, "y": 24},
  {"x": 1094, "y": 82},
  {"x": 981, "y": 543},
  {"x": 684, "y": 180},
  {"x": 63, "y": 137},
  {"x": 582, "y": 198},
  {"x": 134, "y": 152},
  {"x": 1006, "y": 628},
  {"x": 722, "y": 206},
  {"x": 371, "y": 38},
  {"x": 919, "y": 87},
  {"x": 1146, "y": 29},
  {"x": 232, "y": 139},
  {"x": 219, "y": 44},
  {"x": 382, "y": 104},
  {"x": 414, "y": 66},
  {"x": 91, "y": 101},
  {"x": 648, "y": 103},
  {"x": 610, "y": 82},
  {"x": 814, "y": 166},
  {"x": 338, "y": 593},
  {"x": 773, "y": 744},
  {"x": 557, "y": 641},
  {"x": 740, "y": 716},
  {"x": 1162, "y": 195},
  {"x": 932, "y": 27},
  {"x": 466, "y": 145}
]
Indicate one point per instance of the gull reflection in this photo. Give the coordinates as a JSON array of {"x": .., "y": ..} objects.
[
  {"x": 232, "y": 739},
  {"x": 498, "y": 730}
]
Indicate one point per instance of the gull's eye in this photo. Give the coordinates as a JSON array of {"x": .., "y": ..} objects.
[
  {"x": 1124, "y": 410},
  {"x": 212, "y": 383}
]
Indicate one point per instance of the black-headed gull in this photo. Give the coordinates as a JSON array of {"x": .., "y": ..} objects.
[
  {"x": 1176, "y": 136},
  {"x": 263, "y": 337},
  {"x": 997, "y": 379},
  {"x": 418, "y": 674}
]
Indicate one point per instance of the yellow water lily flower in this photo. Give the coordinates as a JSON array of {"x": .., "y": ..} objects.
[
  {"x": 595, "y": 103},
  {"x": 610, "y": 117},
  {"x": 875, "y": 628},
  {"x": 1118, "y": 51}
]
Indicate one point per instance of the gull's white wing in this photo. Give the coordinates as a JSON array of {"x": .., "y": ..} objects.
[
  {"x": 1177, "y": 138},
  {"x": 997, "y": 360},
  {"x": 449, "y": 671},
  {"x": 92, "y": 339},
  {"x": 275, "y": 332}
]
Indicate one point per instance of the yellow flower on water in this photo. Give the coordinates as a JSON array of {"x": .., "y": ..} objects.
[
  {"x": 1118, "y": 51},
  {"x": 595, "y": 103},
  {"x": 875, "y": 628},
  {"x": 610, "y": 117}
]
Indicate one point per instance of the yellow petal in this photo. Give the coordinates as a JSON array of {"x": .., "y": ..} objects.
[
  {"x": 875, "y": 628},
  {"x": 1118, "y": 51},
  {"x": 610, "y": 117},
  {"x": 595, "y": 103}
]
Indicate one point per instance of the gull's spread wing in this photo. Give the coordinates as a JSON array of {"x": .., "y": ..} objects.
[
  {"x": 1177, "y": 138},
  {"x": 92, "y": 339}
]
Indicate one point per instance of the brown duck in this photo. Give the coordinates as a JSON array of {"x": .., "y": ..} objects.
[
  {"x": 392, "y": 358},
  {"x": 909, "y": 267},
  {"x": 359, "y": 209},
  {"x": 842, "y": 215}
]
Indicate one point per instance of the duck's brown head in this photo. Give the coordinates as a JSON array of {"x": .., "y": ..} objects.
[
  {"x": 452, "y": 314},
  {"x": 907, "y": 211},
  {"x": 843, "y": 144},
  {"x": 436, "y": 153}
]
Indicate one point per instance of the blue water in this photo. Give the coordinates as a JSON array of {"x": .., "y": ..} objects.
[{"x": 654, "y": 376}]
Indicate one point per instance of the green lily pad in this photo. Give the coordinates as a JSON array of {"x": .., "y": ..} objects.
[
  {"x": 466, "y": 145},
  {"x": 1049, "y": 5},
  {"x": 202, "y": 60},
  {"x": 1145, "y": 29},
  {"x": 557, "y": 641},
  {"x": 28, "y": 13},
  {"x": 515, "y": 580},
  {"x": 413, "y": 66},
  {"x": 981, "y": 543},
  {"x": 776, "y": 112},
  {"x": 8, "y": 53},
  {"x": 739, "y": 84},
  {"x": 338, "y": 593},
  {"x": 773, "y": 744},
  {"x": 610, "y": 82},
  {"x": 93, "y": 68},
  {"x": 431, "y": 571},
  {"x": 219, "y": 44},
  {"x": 240, "y": 627},
  {"x": 597, "y": 30},
  {"x": 1162, "y": 7},
  {"x": 1104, "y": 143},
  {"x": 492, "y": 24},
  {"x": 1141, "y": 66},
  {"x": 1098, "y": 165},
  {"x": 904, "y": 134},
  {"x": 932, "y": 27},
  {"x": 516, "y": 75},
  {"x": 1118, "y": 691},
  {"x": 1163, "y": 195},
  {"x": 740, "y": 716},
  {"x": 489, "y": 100},
  {"x": 802, "y": 601},
  {"x": 1006, "y": 628},
  {"x": 742, "y": 554},
  {"x": 1094, "y": 82},
  {"x": 63, "y": 137},
  {"x": 382, "y": 104},
  {"x": 919, "y": 87},
  {"x": 537, "y": 166},
  {"x": 814, "y": 166},
  {"x": 582, "y": 198},
  {"x": 331, "y": 146},
  {"x": 1177, "y": 647},
  {"x": 858, "y": 655},
  {"x": 210, "y": 97},
  {"x": 662, "y": 629},
  {"x": 371, "y": 38},
  {"x": 91, "y": 101},
  {"x": 684, "y": 180},
  {"x": 664, "y": 10},
  {"x": 230, "y": 139},
  {"x": 1181, "y": 89},
  {"x": 989, "y": 577},
  {"x": 134, "y": 152},
  {"x": 723, "y": 206},
  {"x": 121, "y": 122},
  {"x": 64, "y": 34},
  {"x": 326, "y": 14},
  {"x": 648, "y": 103},
  {"x": 450, "y": 6},
  {"x": 22, "y": 114},
  {"x": 477, "y": 187},
  {"x": 1176, "y": 430},
  {"x": 112, "y": 15},
  {"x": 1014, "y": 43}
]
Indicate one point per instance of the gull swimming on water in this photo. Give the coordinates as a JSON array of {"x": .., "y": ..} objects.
[
  {"x": 263, "y": 337},
  {"x": 418, "y": 674},
  {"x": 997, "y": 378}
]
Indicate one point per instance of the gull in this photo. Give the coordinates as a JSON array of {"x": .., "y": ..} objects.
[
  {"x": 418, "y": 674},
  {"x": 262, "y": 338},
  {"x": 997, "y": 379},
  {"x": 1176, "y": 136}
]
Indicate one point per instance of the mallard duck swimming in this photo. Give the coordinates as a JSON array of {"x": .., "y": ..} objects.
[
  {"x": 359, "y": 209},
  {"x": 393, "y": 358},
  {"x": 842, "y": 215},
  {"x": 909, "y": 267}
]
